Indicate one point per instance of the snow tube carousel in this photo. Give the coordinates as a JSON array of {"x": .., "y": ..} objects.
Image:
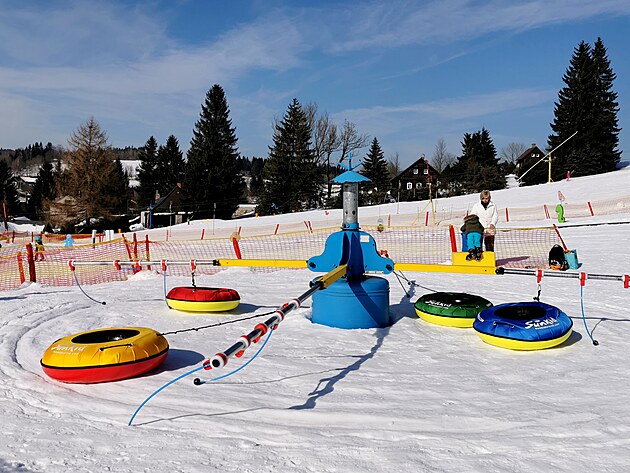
[
  {"x": 523, "y": 326},
  {"x": 202, "y": 299},
  {"x": 452, "y": 309},
  {"x": 102, "y": 355}
]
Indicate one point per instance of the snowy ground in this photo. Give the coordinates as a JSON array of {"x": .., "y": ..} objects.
[{"x": 411, "y": 397}]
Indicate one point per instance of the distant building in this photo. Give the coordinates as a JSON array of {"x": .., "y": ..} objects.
[
  {"x": 531, "y": 156},
  {"x": 413, "y": 182},
  {"x": 167, "y": 210}
]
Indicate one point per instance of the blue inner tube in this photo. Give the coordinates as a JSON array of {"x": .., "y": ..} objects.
[{"x": 523, "y": 325}]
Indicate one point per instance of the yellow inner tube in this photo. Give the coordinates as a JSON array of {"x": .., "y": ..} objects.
[
  {"x": 459, "y": 322},
  {"x": 77, "y": 351},
  {"x": 523, "y": 345},
  {"x": 202, "y": 306}
]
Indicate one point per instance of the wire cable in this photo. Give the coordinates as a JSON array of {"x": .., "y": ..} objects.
[
  {"x": 197, "y": 381},
  {"x": 595, "y": 342},
  {"x": 86, "y": 294}
]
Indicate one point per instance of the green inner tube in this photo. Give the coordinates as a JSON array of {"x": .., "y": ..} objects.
[{"x": 452, "y": 304}]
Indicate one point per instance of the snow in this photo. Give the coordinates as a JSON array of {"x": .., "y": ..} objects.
[{"x": 410, "y": 397}]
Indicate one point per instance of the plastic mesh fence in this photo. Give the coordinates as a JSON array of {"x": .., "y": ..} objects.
[
  {"x": 519, "y": 248},
  {"x": 419, "y": 237}
]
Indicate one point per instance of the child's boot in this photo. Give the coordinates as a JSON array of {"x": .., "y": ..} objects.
[
  {"x": 478, "y": 253},
  {"x": 471, "y": 254}
]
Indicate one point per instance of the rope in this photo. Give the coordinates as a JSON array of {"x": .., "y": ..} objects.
[
  {"x": 217, "y": 324},
  {"x": 197, "y": 380},
  {"x": 407, "y": 291},
  {"x": 411, "y": 283},
  {"x": 86, "y": 295},
  {"x": 595, "y": 342}
]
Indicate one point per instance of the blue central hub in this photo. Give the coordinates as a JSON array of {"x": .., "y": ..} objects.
[{"x": 356, "y": 300}]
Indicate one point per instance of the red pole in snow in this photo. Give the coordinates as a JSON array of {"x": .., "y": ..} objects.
[
  {"x": 31, "y": 263},
  {"x": 237, "y": 249},
  {"x": 451, "y": 232}
]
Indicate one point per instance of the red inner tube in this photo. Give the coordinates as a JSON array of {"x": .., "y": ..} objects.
[{"x": 203, "y": 294}]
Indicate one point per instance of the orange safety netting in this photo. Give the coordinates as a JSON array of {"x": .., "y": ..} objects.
[{"x": 516, "y": 248}]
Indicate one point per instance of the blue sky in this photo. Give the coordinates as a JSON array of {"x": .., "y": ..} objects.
[{"x": 405, "y": 72}]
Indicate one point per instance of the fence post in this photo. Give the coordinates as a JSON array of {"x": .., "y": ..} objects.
[
  {"x": 135, "y": 246},
  {"x": 507, "y": 215},
  {"x": 237, "y": 248},
  {"x": 31, "y": 263},
  {"x": 146, "y": 242},
  {"x": 451, "y": 232},
  {"x": 20, "y": 267}
]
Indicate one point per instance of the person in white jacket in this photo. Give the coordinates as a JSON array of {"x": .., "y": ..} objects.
[{"x": 488, "y": 217}]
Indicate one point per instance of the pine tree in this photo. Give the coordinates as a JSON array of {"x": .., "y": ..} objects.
[
  {"x": 8, "y": 191},
  {"x": 211, "y": 174},
  {"x": 290, "y": 173},
  {"x": 375, "y": 169},
  {"x": 587, "y": 104},
  {"x": 43, "y": 190},
  {"x": 92, "y": 171},
  {"x": 116, "y": 189},
  {"x": 170, "y": 165},
  {"x": 606, "y": 110},
  {"x": 147, "y": 174},
  {"x": 479, "y": 165}
]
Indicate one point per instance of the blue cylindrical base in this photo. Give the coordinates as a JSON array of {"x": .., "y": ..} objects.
[{"x": 353, "y": 304}]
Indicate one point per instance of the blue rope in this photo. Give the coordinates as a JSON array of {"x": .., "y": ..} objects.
[
  {"x": 86, "y": 295},
  {"x": 595, "y": 342},
  {"x": 200, "y": 381}
]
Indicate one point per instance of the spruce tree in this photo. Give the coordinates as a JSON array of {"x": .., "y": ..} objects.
[
  {"x": 211, "y": 174},
  {"x": 479, "y": 165},
  {"x": 290, "y": 175},
  {"x": 8, "y": 191},
  {"x": 587, "y": 104},
  {"x": 43, "y": 190},
  {"x": 147, "y": 174},
  {"x": 605, "y": 124},
  {"x": 116, "y": 189},
  {"x": 375, "y": 169},
  {"x": 170, "y": 165}
]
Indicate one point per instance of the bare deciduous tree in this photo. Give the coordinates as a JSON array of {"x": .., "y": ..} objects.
[
  {"x": 441, "y": 157},
  {"x": 393, "y": 165},
  {"x": 512, "y": 151},
  {"x": 351, "y": 139},
  {"x": 326, "y": 141}
]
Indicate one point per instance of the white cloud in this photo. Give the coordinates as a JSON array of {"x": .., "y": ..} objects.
[{"x": 400, "y": 23}]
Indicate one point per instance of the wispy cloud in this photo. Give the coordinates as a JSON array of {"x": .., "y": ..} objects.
[
  {"x": 454, "y": 109},
  {"x": 401, "y": 23},
  {"x": 417, "y": 126},
  {"x": 88, "y": 60}
]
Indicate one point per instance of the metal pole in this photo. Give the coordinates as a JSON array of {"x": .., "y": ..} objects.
[
  {"x": 556, "y": 274},
  {"x": 548, "y": 154},
  {"x": 244, "y": 341}
]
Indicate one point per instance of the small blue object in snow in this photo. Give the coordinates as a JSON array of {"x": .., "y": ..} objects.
[{"x": 68, "y": 242}]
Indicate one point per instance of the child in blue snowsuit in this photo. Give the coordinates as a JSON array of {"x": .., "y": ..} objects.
[{"x": 474, "y": 232}]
